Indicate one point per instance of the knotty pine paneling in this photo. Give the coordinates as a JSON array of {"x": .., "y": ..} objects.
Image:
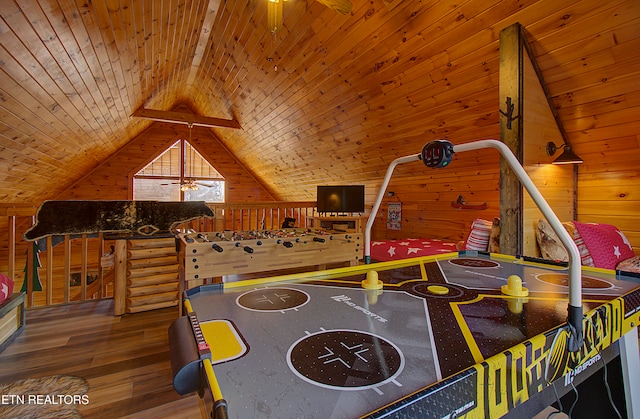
[
  {"x": 556, "y": 183},
  {"x": 426, "y": 195},
  {"x": 330, "y": 99},
  {"x": 609, "y": 191},
  {"x": 112, "y": 179}
]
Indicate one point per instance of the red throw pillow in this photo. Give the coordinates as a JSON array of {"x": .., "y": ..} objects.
[
  {"x": 607, "y": 245},
  {"x": 6, "y": 287}
]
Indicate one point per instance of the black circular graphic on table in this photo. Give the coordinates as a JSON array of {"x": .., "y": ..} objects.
[
  {"x": 273, "y": 299},
  {"x": 474, "y": 263},
  {"x": 563, "y": 280},
  {"x": 345, "y": 359}
]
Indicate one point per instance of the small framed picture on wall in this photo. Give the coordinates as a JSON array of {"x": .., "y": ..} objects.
[{"x": 394, "y": 216}]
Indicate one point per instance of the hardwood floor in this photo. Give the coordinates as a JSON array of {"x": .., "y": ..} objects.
[{"x": 124, "y": 359}]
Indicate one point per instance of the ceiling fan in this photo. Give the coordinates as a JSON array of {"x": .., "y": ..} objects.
[
  {"x": 274, "y": 14},
  {"x": 188, "y": 184}
]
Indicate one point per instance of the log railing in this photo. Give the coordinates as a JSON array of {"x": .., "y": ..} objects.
[{"x": 64, "y": 269}]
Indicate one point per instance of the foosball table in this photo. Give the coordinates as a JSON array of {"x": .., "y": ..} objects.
[{"x": 206, "y": 255}]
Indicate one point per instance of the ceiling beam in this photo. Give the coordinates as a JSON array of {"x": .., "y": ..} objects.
[
  {"x": 203, "y": 39},
  {"x": 185, "y": 118}
]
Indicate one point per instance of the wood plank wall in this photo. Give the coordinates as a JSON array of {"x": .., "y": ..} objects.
[
  {"x": 609, "y": 187},
  {"x": 556, "y": 183},
  {"x": 426, "y": 196},
  {"x": 112, "y": 178},
  {"x": 337, "y": 112}
]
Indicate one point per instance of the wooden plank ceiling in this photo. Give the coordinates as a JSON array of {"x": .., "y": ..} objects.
[{"x": 329, "y": 98}]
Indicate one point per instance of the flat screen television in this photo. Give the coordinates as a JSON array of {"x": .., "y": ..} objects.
[{"x": 340, "y": 198}]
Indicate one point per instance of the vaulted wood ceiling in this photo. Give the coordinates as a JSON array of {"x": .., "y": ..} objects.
[{"x": 331, "y": 97}]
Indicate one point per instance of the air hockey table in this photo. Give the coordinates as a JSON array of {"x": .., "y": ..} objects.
[{"x": 463, "y": 334}]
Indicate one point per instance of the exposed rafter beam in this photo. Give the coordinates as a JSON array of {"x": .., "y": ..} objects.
[{"x": 185, "y": 118}]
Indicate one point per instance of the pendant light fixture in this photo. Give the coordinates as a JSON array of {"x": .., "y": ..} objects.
[
  {"x": 274, "y": 15},
  {"x": 188, "y": 183}
]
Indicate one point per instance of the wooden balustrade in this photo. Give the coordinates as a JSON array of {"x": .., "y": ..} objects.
[
  {"x": 87, "y": 261},
  {"x": 253, "y": 216}
]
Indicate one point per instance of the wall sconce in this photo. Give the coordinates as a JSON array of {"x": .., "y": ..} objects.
[{"x": 567, "y": 156}]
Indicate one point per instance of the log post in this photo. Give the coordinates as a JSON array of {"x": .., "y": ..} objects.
[
  {"x": 511, "y": 133},
  {"x": 120, "y": 279}
]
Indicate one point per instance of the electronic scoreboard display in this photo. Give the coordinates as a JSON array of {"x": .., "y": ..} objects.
[{"x": 437, "y": 154}]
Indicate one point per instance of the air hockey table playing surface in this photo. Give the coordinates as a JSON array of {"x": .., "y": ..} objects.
[{"x": 439, "y": 336}]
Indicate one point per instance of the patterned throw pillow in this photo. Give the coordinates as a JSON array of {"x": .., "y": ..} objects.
[
  {"x": 478, "y": 238},
  {"x": 607, "y": 245},
  {"x": 585, "y": 255},
  {"x": 552, "y": 248},
  {"x": 630, "y": 265}
]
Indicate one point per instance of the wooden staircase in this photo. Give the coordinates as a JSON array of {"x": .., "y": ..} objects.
[{"x": 152, "y": 279}]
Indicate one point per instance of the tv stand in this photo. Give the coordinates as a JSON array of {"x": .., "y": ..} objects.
[{"x": 346, "y": 223}]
